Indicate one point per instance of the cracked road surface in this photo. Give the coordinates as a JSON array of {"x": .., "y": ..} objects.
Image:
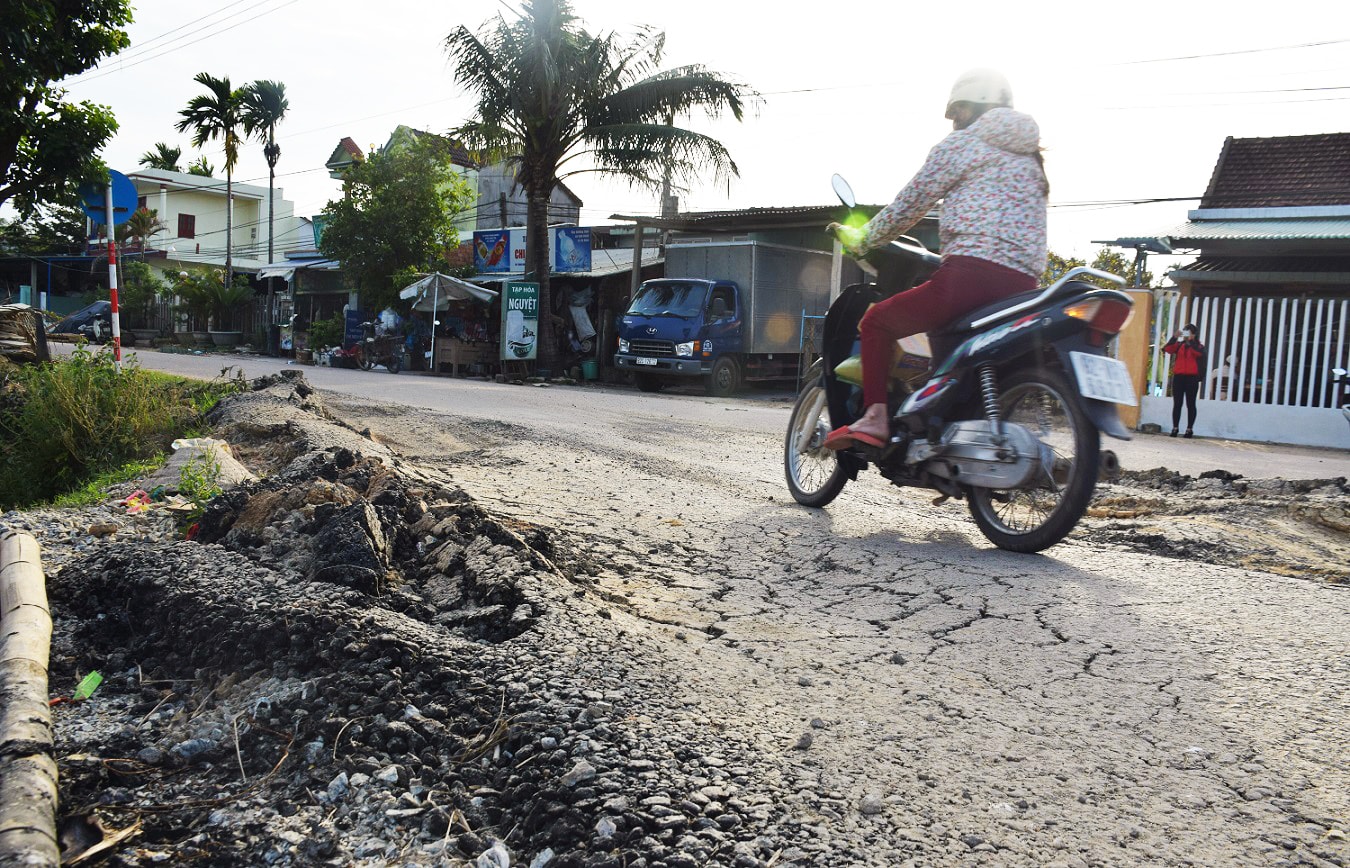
[
  {"x": 915, "y": 688},
  {"x": 1090, "y": 706}
]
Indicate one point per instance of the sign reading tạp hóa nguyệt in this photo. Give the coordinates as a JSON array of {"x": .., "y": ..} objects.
[{"x": 520, "y": 321}]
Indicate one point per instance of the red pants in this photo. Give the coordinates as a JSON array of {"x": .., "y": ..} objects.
[{"x": 960, "y": 285}]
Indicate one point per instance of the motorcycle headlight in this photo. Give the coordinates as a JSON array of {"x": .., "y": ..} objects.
[
  {"x": 623, "y": 345},
  {"x": 686, "y": 349}
]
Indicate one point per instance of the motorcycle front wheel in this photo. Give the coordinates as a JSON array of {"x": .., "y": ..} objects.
[
  {"x": 814, "y": 475},
  {"x": 1040, "y": 514},
  {"x": 364, "y": 360}
]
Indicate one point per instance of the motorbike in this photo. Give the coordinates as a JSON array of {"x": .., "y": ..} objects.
[
  {"x": 1005, "y": 412},
  {"x": 375, "y": 350}
]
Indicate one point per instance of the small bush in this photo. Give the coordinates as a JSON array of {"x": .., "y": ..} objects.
[{"x": 66, "y": 423}]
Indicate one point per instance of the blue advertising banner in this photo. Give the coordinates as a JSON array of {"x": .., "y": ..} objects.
[
  {"x": 501, "y": 250},
  {"x": 571, "y": 248}
]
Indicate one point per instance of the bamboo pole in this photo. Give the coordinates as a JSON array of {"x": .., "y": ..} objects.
[{"x": 27, "y": 770}]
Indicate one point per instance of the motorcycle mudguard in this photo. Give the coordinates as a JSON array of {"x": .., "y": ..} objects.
[{"x": 1103, "y": 414}]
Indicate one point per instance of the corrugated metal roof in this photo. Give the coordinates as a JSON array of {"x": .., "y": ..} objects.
[
  {"x": 1266, "y": 269},
  {"x": 1325, "y": 228}
]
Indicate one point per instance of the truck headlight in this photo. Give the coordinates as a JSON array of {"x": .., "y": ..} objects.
[
  {"x": 623, "y": 345},
  {"x": 686, "y": 349}
]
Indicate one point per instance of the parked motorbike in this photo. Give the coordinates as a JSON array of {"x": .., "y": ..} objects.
[
  {"x": 1006, "y": 415},
  {"x": 375, "y": 350},
  {"x": 1341, "y": 384}
]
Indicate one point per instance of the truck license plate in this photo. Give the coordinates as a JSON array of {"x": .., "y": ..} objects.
[
  {"x": 1103, "y": 379},
  {"x": 645, "y": 361}
]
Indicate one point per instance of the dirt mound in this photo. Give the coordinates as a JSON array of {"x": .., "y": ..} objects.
[
  {"x": 355, "y": 663},
  {"x": 1290, "y": 527}
]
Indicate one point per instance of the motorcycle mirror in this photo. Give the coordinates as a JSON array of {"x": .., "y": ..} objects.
[{"x": 843, "y": 191}]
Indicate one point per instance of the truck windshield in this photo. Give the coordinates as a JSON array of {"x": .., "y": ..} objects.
[{"x": 669, "y": 299}]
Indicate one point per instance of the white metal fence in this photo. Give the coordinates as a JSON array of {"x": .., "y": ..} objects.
[{"x": 1275, "y": 351}]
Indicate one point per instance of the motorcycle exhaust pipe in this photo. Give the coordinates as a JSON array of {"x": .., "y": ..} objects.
[{"x": 1108, "y": 467}]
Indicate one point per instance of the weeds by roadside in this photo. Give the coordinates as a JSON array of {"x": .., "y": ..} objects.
[{"x": 67, "y": 425}]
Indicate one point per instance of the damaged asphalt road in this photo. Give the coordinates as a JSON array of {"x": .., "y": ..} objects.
[{"x": 612, "y": 639}]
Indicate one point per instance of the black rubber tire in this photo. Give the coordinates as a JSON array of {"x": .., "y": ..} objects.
[
  {"x": 815, "y": 475},
  {"x": 649, "y": 382},
  {"x": 1060, "y": 411},
  {"x": 724, "y": 379},
  {"x": 394, "y": 364},
  {"x": 363, "y": 358}
]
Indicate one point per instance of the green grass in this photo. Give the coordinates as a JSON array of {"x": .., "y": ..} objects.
[
  {"x": 68, "y": 424},
  {"x": 95, "y": 490}
]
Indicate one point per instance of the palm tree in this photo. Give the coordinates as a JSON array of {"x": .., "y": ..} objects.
[
  {"x": 549, "y": 93},
  {"x": 217, "y": 115},
  {"x": 202, "y": 167},
  {"x": 162, "y": 157},
  {"x": 264, "y": 107},
  {"x": 142, "y": 224}
]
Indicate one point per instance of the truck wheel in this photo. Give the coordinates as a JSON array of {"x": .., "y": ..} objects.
[
  {"x": 725, "y": 377},
  {"x": 648, "y": 382}
]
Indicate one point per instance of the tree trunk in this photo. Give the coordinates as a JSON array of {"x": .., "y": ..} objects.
[
  {"x": 271, "y": 291},
  {"x": 28, "y": 785},
  {"x": 229, "y": 227},
  {"x": 536, "y": 263}
]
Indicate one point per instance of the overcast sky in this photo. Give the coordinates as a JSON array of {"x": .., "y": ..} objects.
[{"x": 1133, "y": 100}]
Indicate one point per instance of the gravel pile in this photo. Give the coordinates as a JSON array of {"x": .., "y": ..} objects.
[{"x": 354, "y": 664}]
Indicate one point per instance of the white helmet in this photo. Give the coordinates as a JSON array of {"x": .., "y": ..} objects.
[{"x": 982, "y": 86}]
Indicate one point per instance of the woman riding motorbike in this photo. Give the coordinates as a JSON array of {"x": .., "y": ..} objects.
[{"x": 991, "y": 178}]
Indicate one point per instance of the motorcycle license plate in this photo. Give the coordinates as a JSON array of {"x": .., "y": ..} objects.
[
  {"x": 1103, "y": 379},
  {"x": 645, "y": 361}
]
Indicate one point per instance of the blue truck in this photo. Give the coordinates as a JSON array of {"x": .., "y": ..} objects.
[{"x": 727, "y": 312}]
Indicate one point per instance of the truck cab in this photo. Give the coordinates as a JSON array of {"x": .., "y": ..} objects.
[{"x": 680, "y": 329}]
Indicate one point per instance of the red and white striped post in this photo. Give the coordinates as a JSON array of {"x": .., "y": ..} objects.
[{"x": 112, "y": 276}]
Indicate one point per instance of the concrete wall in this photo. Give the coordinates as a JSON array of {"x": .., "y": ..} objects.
[{"x": 1299, "y": 426}]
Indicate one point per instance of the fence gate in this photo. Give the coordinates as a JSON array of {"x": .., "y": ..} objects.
[{"x": 1268, "y": 366}]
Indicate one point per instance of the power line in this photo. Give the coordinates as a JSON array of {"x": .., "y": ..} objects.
[
  {"x": 142, "y": 48},
  {"x": 102, "y": 73},
  {"x": 1232, "y": 53}
]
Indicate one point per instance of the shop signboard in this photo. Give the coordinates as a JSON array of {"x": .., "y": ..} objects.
[
  {"x": 352, "y": 333},
  {"x": 571, "y": 248},
  {"x": 520, "y": 321},
  {"x": 499, "y": 251}
]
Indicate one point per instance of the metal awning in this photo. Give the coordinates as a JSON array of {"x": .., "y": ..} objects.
[
  {"x": 1266, "y": 269},
  {"x": 1274, "y": 229},
  {"x": 286, "y": 270}
]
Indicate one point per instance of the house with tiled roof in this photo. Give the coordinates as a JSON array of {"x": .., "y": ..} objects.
[{"x": 1269, "y": 288}]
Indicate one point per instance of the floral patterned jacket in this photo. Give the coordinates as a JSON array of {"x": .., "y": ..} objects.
[{"x": 992, "y": 189}]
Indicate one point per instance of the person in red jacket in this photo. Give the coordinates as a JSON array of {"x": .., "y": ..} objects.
[{"x": 1190, "y": 358}]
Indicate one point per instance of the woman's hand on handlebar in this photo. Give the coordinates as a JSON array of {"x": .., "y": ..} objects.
[{"x": 849, "y": 236}]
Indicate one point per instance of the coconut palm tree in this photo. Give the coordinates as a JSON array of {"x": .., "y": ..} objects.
[
  {"x": 162, "y": 157},
  {"x": 549, "y": 93},
  {"x": 217, "y": 114},
  {"x": 264, "y": 107}
]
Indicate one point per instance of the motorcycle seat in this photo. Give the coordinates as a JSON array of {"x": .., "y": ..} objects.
[{"x": 964, "y": 324}]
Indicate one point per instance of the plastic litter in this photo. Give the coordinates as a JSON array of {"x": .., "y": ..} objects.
[
  {"x": 87, "y": 686},
  {"x": 138, "y": 501},
  {"x": 496, "y": 856}
]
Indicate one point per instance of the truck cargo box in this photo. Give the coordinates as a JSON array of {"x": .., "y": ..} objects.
[{"x": 778, "y": 284}]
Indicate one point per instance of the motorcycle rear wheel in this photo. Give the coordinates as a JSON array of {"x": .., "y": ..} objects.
[
  {"x": 815, "y": 475},
  {"x": 394, "y": 363},
  {"x": 1037, "y": 516}
]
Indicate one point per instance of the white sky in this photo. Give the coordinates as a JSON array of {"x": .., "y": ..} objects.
[{"x": 857, "y": 88}]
